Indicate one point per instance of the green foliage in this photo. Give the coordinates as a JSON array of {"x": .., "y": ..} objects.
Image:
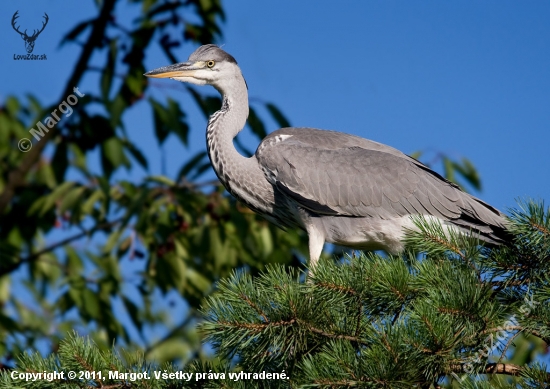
[
  {"x": 77, "y": 354},
  {"x": 118, "y": 250},
  {"x": 438, "y": 318},
  {"x": 95, "y": 248},
  {"x": 411, "y": 321}
]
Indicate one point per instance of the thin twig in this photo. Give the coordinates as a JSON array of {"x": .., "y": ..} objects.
[
  {"x": 255, "y": 307},
  {"x": 490, "y": 368},
  {"x": 540, "y": 228},
  {"x": 397, "y": 315},
  {"x": 517, "y": 328},
  {"x": 338, "y": 288},
  {"x": 331, "y": 335},
  {"x": 35, "y": 256},
  {"x": 508, "y": 345},
  {"x": 191, "y": 315}
]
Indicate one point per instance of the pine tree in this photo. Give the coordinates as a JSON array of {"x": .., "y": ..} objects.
[{"x": 447, "y": 313}]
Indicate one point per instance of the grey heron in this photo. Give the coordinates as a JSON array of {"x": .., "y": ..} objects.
[{"x": 339, "y": 188}]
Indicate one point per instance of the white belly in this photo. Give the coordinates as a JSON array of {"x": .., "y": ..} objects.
[{"x": 368, "y": 233}]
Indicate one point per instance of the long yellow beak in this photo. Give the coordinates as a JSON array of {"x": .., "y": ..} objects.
[{"x": 186, "y": 69}]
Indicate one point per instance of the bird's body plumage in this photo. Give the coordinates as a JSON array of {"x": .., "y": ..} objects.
[
  {"x": 360, "y": 193},
  {"x": 340, "y": 188}
]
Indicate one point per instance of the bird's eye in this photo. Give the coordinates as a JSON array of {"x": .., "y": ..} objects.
[{"x": 210, "y": 64}]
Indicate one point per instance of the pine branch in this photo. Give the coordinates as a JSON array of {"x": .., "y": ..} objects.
[
  {"x": 494, "y": 368},
  {"x": 255, "y": 307},
  {"x": 372, "y": 319},
  {"x": 338, "y": 288},
  {"x": 329, "y": 335},
  {"x": 369, "y": 321}
]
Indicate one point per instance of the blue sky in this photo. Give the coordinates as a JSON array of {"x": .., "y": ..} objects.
[{"x": 466, "y": 78}]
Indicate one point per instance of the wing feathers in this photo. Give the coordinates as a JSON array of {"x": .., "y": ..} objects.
[{"x": 327, "y": 173}]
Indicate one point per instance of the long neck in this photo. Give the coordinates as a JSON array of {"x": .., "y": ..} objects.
[{"x": 241, "y": 176}]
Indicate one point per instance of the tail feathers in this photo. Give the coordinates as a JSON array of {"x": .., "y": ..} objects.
[{"x": 493, "y": 234}]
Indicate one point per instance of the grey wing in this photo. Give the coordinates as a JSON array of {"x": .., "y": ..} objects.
[{"x": 338, "y": 174}]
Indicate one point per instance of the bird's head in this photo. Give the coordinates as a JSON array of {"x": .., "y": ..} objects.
[{"x": 208, "y": 65}]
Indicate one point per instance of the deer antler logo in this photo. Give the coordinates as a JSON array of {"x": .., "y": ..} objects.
[{"x": 29, "y": 40}]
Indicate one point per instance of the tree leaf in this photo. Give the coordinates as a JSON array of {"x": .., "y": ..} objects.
[
  {"x": 416, "y": 155},
  {"x": 160, "y": 117},
  {"x": 134, "y": 312},
  {"x": 90, "y": 303},
  {"x": 256, "y": 124},
  {"x": 281, "y": 120},
  {"x": 71, "y": 198},
  {"x": 88, "y": 204},
  {"x": 116, "y": 108},
  {"x": 192, "y": 164},
  {"x": 60, "y": 161},
  {"x": 161, "y": 180},
  {"x": 113, "y": 154},
  {"x": 469, "y": 172},
  {"x": 136, "y": 153},
  {"x": 109, "y": 70},
  {"x": 76, "y": 31}
]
